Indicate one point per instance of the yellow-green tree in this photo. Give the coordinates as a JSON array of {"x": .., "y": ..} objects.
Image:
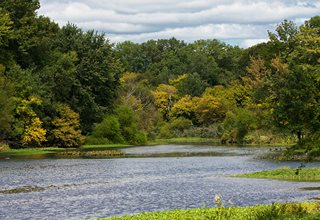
[
  {"x": 165, "y": 96},
  {"x": 28, "y": 126},
  {"x": 210, "y": 109},
  {"x": 66, "y": 132},
  {"x": 185, "y": 107}
]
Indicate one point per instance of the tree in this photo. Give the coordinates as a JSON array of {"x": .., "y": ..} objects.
[
  {"x": 294, "y": 95},
  {"x": 28, "y": 126},
  {"x": 109, "y": 129},
  {"x": 237, "y": 124},
  {"x": 5, "y": 36},
  {"x": 60, "y": 78},
  {"x": 295, "y": 82},
  {"x": 30, "y": 34},
  {"x": 284, "y": 40},
  {"x": 66, "y": 130},
  {"x": 210, "y": 109},
  {"x": 6, "y": 105},
  {"x": 185, "y": 107},
  {"x": 165, "y": 96},
  {"x": 189, "y": 84},
  {"x": 129, "y": 125},
  {"x": 97, "y": 72}
]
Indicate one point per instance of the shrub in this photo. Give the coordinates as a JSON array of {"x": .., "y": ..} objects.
[
  {"x": 128, "y": 121},
  {"x": 66, "y": 132},
  {"x": 4, "y": 147},
  {"x": 165, "y": 132},
  {"x": 239, "y": 122},
  {"x": 180, "y": 124},
  {"x": 122, "y": 127},
  {"x": 108, "y": 129}
]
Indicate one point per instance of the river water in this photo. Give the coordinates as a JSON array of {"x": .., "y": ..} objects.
[{"x": 89, "y": 188}]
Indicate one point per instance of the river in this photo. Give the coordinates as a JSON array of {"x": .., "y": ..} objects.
[{"x": 88, "y": 188}]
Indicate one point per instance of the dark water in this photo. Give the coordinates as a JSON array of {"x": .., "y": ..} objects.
[{"x": 81, "y": 188}]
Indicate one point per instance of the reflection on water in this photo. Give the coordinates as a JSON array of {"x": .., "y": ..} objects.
[{"x": 80, "y": 188}]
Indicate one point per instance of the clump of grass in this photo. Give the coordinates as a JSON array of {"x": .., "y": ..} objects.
[
  {"x": 274, "y": 211},
  {"x": 285, "y": 173}
]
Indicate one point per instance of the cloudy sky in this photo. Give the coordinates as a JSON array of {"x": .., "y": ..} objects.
[{"x": 237, "y": 22}]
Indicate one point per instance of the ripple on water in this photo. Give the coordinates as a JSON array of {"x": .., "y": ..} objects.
[{"x": 80, "y": 188}]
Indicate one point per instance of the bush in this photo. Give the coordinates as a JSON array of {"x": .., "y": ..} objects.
[
  {"x": 4, "y": 147},
  {"x": 66, "y": 132},
  {"x": 118, "y": 129},
  {"x": 240, "y": 122},
  {"x": 180, "y": 124},
  {"x": 175, "y": 128},
  {"x": 140, "y": 138},
  {"x": 128, "y": 121},
  {"x": 165, "y": 132},
  {"x": 108, "y": 129}
]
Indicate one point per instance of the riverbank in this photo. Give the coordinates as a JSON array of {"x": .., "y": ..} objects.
[
  {"x": 274, "y": 211},
  {"x": 298, "y": 174},
  {"x": 107, "y": 150},
  {"x": 88, "y": 151},
  {"x": 93, "y": 151}
]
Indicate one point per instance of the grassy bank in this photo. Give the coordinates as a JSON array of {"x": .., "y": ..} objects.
[
  {"x": 299, "y": 174},
  {"x": 29, "y": 151},
  {"x": 274, "y": 211},
  {"x": 87, "y": 151}
]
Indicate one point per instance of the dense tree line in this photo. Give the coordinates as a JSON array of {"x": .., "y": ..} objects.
[
  {"x": 58, "y": 84},
  {"x": 55, "y": 82}
]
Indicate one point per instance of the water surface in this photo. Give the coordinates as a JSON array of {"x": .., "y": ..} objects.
[{"x": 80, "y": 188}]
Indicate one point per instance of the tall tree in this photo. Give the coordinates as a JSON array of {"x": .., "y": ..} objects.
[{"x": 96, "y": 71}]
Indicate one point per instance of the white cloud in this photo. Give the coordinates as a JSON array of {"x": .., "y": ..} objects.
[
  {"x": 250, "y": 42},
  {"x": 139, "y": 20}
]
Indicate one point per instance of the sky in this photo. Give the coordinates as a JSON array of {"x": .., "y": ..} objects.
[{"x": 236, "y": 22}]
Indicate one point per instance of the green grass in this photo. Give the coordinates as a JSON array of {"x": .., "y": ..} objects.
[
  {"x": 274, "y": 211},
  {"x": 285, "y": 173},
  {"x": 29, "y": 151}
]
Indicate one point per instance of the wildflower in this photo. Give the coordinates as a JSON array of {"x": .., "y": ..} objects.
[{"x": 217, "y": 200}]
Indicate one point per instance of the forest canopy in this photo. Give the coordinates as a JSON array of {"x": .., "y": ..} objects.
[{"x": 59, "y": 84}]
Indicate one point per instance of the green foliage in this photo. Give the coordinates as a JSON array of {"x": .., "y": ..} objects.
[
  {"x": 238, "y": 123},
  {"x": 295, "y": 96},
  {"x": 304, "y": 174},
  {"x": 6, "y": 105},
  {"x": 192, "y": 86},
  {"x": 122, "y": 127},
  {"x": 129, "y": 125},
  {"x": 66, "y": 128},
  {"x": 181, "y": 124},
  {"x": 108, "y": 129},
  {"x": 273, "y": 211},
  {"x": 94, "y": 73},
  {"x": 175, "y": 128},
  {"x": 30, "y": 33}
]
